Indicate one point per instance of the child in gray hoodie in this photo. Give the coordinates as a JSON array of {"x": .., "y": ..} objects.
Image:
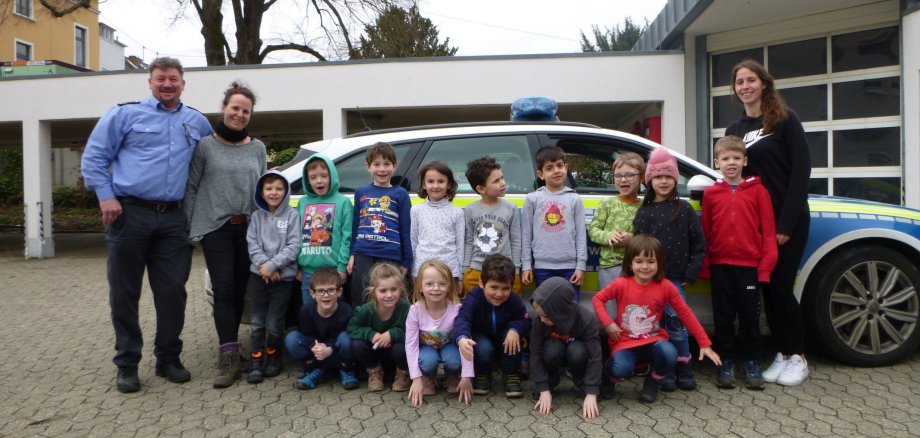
[
  {"x": 554, "y": 238},
  {"x": 274, "y": 241}
]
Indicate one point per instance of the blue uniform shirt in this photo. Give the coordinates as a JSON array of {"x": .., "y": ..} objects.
[{"x": 148, "y": 149}]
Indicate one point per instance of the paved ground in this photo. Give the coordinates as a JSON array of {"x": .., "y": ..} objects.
[{"x": 57, "y": 379}]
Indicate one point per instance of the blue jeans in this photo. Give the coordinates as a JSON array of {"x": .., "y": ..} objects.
[
  {"x": 305, "y": 287},
  {"x": 484, "y": 352},
  {"x": 677, "y": 333},
  {"x": 368, "y": 357},
  {"x": 269, "y": 305},
  {"x": 572, "y": 354},
  {"x": 299, "y": 345},
  {"x": 541, "y": 275},
  {"x": 660, "y": 354},
  {"x": 429, "y": 358}
]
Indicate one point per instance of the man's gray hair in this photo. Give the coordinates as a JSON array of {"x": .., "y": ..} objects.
[{"x": 165, "y": 63}]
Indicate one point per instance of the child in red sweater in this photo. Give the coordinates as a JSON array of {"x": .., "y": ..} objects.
[
  {"x": 641, "y": 296},
  {"x": 741, "y": 252}
]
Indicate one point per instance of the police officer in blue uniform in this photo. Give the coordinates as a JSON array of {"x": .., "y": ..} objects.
[{"x": 137, "y": 160}]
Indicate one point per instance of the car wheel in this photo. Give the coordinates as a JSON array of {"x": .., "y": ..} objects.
[{"x": 867, "y": 307}]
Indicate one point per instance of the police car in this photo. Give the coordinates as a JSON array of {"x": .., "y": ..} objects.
[{"x": 857, "y": 281}]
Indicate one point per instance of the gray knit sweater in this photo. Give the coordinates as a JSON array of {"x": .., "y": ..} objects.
[{"x": 221, "y": 181}]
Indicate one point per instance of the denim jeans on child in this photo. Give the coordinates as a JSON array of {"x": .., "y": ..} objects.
[
  {"x": 429, "y": 358},
  {"x": 299, "y": 345},
  {"x": 484, "y": 353},
  {"x": 571, "y": 354},
  {"x": 369, "y": 358},
  {"x": 541, "y": 275},
  {"x": 269, "y": 303},
  {"x": 660, "y": 354},
  {"x": 677, "y": 333}
]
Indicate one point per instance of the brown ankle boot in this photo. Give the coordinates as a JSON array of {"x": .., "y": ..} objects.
[
  {"x": 375, "y": 378},
  {"x": 228, "y": 369},
  {"x": 428, "y": 386},
  {"x": 401, "y": 382}
]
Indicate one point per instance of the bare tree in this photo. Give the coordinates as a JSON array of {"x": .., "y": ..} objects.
[
  {"x": 57, "y": 8},
  {"x": 334, "y": 20}
]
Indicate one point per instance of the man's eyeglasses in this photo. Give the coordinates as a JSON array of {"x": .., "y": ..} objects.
[
  {"x": 325, "y": 292},
  {"x": 624, "y": 176}
]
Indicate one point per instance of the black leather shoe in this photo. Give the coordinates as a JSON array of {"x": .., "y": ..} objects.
[
  {"x": 127, "y": 380},
  {"x": 174, "y": 372}
]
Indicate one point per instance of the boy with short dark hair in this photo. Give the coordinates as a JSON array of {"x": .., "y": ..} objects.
[
  {"x": 554, "y": 237},
  {"x": 741, "y": 252},
  {"x": 321, "y": 343},
  {"x": 326, "y": 217},
  {"x": 273, "y": 240},
  {"x": 381, "y": 227},
  {"x": 492, "y": 315},
  {"x": 493, "y": 225}
]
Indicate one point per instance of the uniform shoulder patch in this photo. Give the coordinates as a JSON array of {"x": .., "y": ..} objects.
[{"x": 129, "y": 103}]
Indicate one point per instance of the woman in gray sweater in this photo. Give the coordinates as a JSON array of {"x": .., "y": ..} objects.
[{"x": 218, "y": 201}]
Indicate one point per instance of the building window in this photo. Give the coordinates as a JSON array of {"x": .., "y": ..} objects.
[
  {"x": 24, "y": 8},
  {"x": 846, "y": 89},
  {"x": 23, "y": 51},
  {"x": 79, "y": 41}
]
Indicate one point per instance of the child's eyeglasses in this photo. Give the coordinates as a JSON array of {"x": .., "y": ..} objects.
[
  {"x": 624, "y": 176},
  {"x": 431, "y": 286},
  {"x": 326, "y": 291}
]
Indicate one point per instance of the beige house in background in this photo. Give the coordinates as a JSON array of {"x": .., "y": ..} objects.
[{"x": 29, "y": 32}]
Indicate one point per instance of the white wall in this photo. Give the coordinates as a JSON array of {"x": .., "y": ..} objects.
[{"x": 111, "y": 56}]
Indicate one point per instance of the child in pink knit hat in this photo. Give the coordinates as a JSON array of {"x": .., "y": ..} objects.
[{"x": 674, "y": 223}]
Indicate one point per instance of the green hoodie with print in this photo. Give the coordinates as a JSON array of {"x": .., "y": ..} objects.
[{"x": 325, "y": 230}]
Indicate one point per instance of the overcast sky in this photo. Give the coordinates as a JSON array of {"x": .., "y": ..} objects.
[{"x": 476, "y": 27}]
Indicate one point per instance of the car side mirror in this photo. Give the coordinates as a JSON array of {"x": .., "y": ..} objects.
[{"x": 697, "y": 185}]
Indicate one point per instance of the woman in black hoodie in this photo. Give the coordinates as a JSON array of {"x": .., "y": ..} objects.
[{"x": 778, "y": 153}]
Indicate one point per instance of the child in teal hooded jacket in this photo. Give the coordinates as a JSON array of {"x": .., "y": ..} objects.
[{"x": 326, "y": 217}]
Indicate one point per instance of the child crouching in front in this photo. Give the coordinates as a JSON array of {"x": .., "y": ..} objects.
[
  {"x": 564, "y": 335},
  {"x": 378, "y": 328},
  {"x": 491, "y": 317},
  {"x": 428, "y": 335},
  {"x": 321, "y": 342},
  {"x": 641, "y": 296}
]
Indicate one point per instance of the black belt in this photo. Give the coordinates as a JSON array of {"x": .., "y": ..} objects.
[{"x": 160, "y": 206}]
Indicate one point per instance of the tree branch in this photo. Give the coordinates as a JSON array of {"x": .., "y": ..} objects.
[
  {"x": 60, "y": 12},
  {"x": 290, "y": 46}
]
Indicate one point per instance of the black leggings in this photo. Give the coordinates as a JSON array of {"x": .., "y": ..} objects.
[{"x": 784, "y": 315}]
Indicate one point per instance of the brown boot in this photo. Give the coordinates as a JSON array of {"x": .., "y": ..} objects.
[
  {"x": 401, "y": 382},
  {"x": 453, "y": 383},
  {"x": 375, "y": 378},
  {"x": 228, "y": 369},
  {"x": 428, "y": 386}
]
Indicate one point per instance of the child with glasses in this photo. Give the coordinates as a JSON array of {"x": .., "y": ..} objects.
[
  {"x": 612, "y": 225},
  {"x": 429, "y": 326},
  {"x": 321, "y": 342}
]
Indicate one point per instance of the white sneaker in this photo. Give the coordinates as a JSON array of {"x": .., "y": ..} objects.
[
  {"x": 775, "y": 369},
  {"x": 795, "y": 372}
]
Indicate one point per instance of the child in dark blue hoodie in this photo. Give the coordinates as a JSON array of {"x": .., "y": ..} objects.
[
  {"x": 274, "y": 241},
  {"x": 490, "y": 316}
]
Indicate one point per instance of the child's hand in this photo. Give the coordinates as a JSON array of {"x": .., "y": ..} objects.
[
  {"x": 781, "y": 239},
  {"x": 343, "y": 277},
  {"x": 465, "y": 388},
  {"x": 613, "y": 331},
  {"x": 384, "y": 340},
  {"x": 320, "y": 350},
  {"x": 545, "y": 404},
  {"x": 512, "y": 343},
  {"x": 351, "y": 264},
  {"x": 299, "y": 276},
  {"x": 466, "y": 348},
  {"x": 712, "y": 355},
  {"x": 415, "y": 393},
  {"x": 526, "y": 277},
  {"x": 275, "y": 277},
  {"x": 264, "y": 272},
  {"x": 589, "y": 407},
  {"x": 578, "y": 277},
  {"x": 615, "y": 238},
  {"x": 403, "y": 270}
]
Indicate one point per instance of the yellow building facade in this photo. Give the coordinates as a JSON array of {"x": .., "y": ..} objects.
[{"x": 30, "y": 32}]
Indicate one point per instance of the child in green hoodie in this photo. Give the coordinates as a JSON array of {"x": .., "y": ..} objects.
[{"x": 326, "y": 218}]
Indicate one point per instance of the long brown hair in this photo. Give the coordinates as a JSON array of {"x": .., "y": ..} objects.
[
  {"x": 643, "y": 244},
  {"x": 772, "y": 105}
]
